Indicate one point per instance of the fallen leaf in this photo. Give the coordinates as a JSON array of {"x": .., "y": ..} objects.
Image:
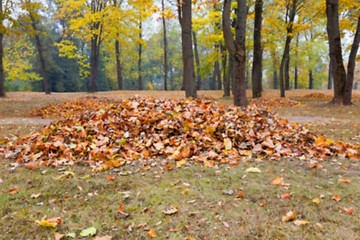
[
  {"x": 348, "y": 210},
  {"x": 228, "y": 192},
  {"x": 277, "y": 181},
  {"x": 227, "y": 143},
  {"x": 319, "y": 225},
  {"x": 316, "y": 200},
  {"x": 301, "y": 222},
  {"x": 253, "y": 170},
  {"x": 46, "y": 223},
  {"x": 240, "y": 195},
  {"x": 121, "y": 208},
  {"x": 58, "y": 236},
  {"x": 344, "y": 180},
  {"x": 110, "y": 178},
  {"x": 72, "y": 235},
  {"x": 88, "y": 232},
  {"x": 285, "y": 195},
  {"x": 13, "y": 191},
  {"x": 35, "y": 195},
  {"x": 336, "y": 198},
  {"x": 31, "y": 165},
  {"x": 170, "y": 211},
  {"x": 185, "y": 191},
  {"x": 107, "y": 237},
  {"x": 151, "y": 233},
  {"x": 289, "y": 216},
  {"x": 261, "y": 204}
]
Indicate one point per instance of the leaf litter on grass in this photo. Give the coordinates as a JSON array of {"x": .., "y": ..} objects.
[{"x": 105, "y": 133}]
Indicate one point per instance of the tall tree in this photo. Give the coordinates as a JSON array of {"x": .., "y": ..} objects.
[
  {"x": 291, "y": 12},
  {"x": 185, "y": 13},
  {"x": 197, "y": 61},
  {"x": 237, "y": 48},
  {"x": 258, "y": 51},
  {"x": 343, "y": 81},
  {"x": 2, "y": 75},
  {"x": 140, "y": 87},
  {"x": 165, "y": 46},
  {"x": 39, "y": 48}
]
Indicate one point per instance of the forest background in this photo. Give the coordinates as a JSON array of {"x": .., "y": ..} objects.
[{"x": 138, "y": 44}]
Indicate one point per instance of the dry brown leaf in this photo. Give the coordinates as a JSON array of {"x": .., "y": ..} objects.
[
  {"x": 278, "y": 181},
  {"x": 58, "y": 236},
  {"x": 13, "y": 191},
  {"x": 289, "y": 216}
]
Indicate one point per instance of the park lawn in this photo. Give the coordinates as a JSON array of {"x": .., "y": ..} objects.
[
  {"x": 208, "y": 203},
  {"x": 211, "y": 203}
]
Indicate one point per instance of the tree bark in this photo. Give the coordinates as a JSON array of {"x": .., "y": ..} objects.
[
  {"x": 296, "y": 63},
  {"x": 258, "y": 52},
  {"x": 338, "y": 69},
  {"x": 289, "y": 30},
  {"x": 197, "y": 60},
  {"x": 165, "y": 48},
  {"x": 2, "y": 76},
  {"x": 39, "y": 49},
  {"x": 237, "y": 49},
  {"x": 287, "y": 72},
  {"x": 351, "y": 66},
  {"x": 188, "y": 58},
  {"x": 311, "y": 80},
  {"x": 330, "y": 75},
  {"x": 118, "y": 65},
  {"x": 94, "y": 62},
  {"x": 218, "y": 70},
  {"x": 140, "y": 84},
  {"x": 226, "y": 84}
]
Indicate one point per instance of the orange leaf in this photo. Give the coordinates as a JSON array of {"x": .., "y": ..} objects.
[
  {"x": 111, "y": 178},
  {"x": 121, "y": 208},
  {"x": 151, "y": 233},
  {"x": 262, "y": 203},
  {"x": 336, "y": 198},
  {"x": 289, "y": 216},
  {"x": 240, "y": 195},
  {"x": 57, "y": 220},
  {"x": 285, "y": 195},
  {"x": 185, "y": 191},
  {"x": 31, "y": 166},
  {"x": 13, "y": 191},
  {"x": 169, "y": 167},
  {"x": 344, "y": 180},
  {"x": 58, "y": 236},
  {"x": 348, "y": 210},
  {"x": 277, "y": 181}
]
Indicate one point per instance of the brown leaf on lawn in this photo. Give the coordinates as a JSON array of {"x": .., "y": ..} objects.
[
  {"x": 58, "y": 236},
  {"x": 240, "y": 195},
  {"x": 170, "y": 211},
  {"x": 344, "y": 180},
  {"x": 348, "y": 210},
  {"x": 13, "y": 191},
  {"x": 185, "y": 191},
  {"x": 285, "y": 195},
  {"x": 151, "y": 233},
  {"x": 278, "y": 181},
  {"x": 31, "y": 165},
  {"x": 261, "y": 204},
  {"x": 110, "y": 178},
  {"x": 121, "y": 208},
  {"x": 107, "y": 237},
  {"x": 35, "y": 195},
  {"x": 289, "y": 216},
  {"x": 57, "y": 220},
  {"x": 336, "y": 198}
]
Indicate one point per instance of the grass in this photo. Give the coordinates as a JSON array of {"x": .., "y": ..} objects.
[{"x": 210, "y": 209}]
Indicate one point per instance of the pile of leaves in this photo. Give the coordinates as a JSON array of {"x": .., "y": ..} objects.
[
  {"x": 169, "y": 132},
  {"x": 274, "y": 102},
  {"x": 69, "y": 108},
  {"x": 314, "y": 96}
]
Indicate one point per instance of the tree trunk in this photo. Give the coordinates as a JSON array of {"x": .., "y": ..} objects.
[
  {"x": 275, "y": 79},
  {"x": 225, "y": 72},
  {"x": 118, "y": 65},
  {"x": 140, "y": 85},
  {"x": 351, "y": 66},
  {"x": 237, "y": 49},
  {"x": 311, "y": 80},
  {"x": 257, "y": 61},
  {"x": 197, "y": 60},
  {"x": 93, "y": 63},
  {"x": 188, "y": 58},
  {"x": 287, "y": 72},
  {"x": 296, "y": 63},
  {"x": 289, "y": 30},
  {"x": 330, "y": 75},
  {"x": 218, "y": 70},
  {"x": 338, "y": 69},
  {"x": 47, "y": 89},
  {"x": 165, "y": 48}
]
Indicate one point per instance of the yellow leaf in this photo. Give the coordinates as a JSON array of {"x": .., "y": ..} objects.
[
  {"x": 46, "y": 223},
  {"x": 301, "y": 222},
  {"x": 316, "y": 200},
  {"x": 170, "y": 211},
  {"x": 253, "y": 170}
]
